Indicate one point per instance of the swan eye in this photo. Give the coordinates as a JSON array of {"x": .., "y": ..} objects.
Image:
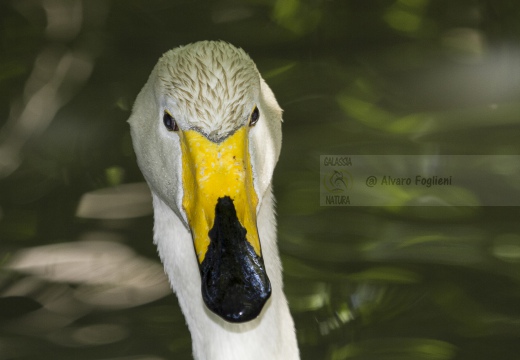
[
  {"x": 255, "y": 115},
  {"x": 170, "y": 122}
]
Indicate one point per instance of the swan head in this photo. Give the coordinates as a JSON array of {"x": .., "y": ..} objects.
[{"x": 206, "y": 130}]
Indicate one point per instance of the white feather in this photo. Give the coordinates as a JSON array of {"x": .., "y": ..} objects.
[{"x": 212, "y": 87}]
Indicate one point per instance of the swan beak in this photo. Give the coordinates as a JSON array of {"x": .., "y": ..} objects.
[{"x": 220, "y": 204}]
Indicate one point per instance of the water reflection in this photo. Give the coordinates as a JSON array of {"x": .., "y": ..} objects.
[
  {"x": 106, "y": 274},
  {"x": 116, "y": 202},
  {"x": 69, "y": 281},
  {"x": 98, "y": 334}
]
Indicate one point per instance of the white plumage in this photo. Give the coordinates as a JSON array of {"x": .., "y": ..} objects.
[{"x": 211, "y": 88}]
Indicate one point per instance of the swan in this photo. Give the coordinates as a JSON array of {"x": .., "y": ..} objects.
[{"x": 206, "y": 130}]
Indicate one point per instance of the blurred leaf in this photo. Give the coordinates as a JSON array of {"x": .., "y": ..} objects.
[
  {"x": 387, "y": 275},
  {"x": 115, "y": 175},
  {"x": 506, "y": 247},
  {"x": 298, "y": 16},
  {"x": 396, "y": 349},
  {"x": 278, "y": 71},
  {"x": 472, "y": 318},
  {"x": 306, "y": 295}
]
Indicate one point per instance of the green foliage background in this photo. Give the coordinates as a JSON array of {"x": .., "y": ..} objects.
[{"x": 404, "y": 77}]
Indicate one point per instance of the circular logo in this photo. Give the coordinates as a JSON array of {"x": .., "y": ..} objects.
[{"x": 337, "y": 181}]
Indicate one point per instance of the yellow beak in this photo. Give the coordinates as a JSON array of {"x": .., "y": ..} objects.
[{"x": 220, "y": 203}]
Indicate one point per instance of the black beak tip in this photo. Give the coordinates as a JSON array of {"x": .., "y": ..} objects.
[
  {"x": 238, "y": 307},
  {"x": 235, "y": 285}
]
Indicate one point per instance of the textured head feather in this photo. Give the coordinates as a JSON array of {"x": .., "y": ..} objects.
[{"x": 213, "y": 85}]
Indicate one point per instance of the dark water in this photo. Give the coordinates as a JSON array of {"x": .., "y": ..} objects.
[{"x": 80, "y": 278}]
